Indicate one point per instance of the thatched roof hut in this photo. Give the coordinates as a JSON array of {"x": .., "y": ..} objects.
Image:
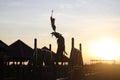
[
  {"x": 65, "y": 58},
  {"x": 19, "y": 51},
  {"x": 3, "y": 48}
]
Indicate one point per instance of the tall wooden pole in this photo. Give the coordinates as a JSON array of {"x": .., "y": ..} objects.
[
  {"x": 50, "y": 47},
  {"x": 80, "y": 47},
  {"x": 72, "y": 44},
  {"x": 35, "y": 50},
  {"x": 80, "y": 55}
]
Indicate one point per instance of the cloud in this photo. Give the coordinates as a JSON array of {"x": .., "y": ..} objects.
[{"x": 75, "y": 4}]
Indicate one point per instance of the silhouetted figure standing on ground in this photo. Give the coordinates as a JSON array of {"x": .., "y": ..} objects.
[{"x": 61, "y": 45}]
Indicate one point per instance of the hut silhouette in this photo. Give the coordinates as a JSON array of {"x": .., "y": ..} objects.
[
  {"x": 54, "y": 56},
  {"x": 3, "y": 46},
  {"x": 46, "y": 57},
  {"x": 3, "y": 52},
  {"x": 19, "y": 52}
]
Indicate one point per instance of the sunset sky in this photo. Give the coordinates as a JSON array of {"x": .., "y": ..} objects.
[{"x": 88, "y": 21}]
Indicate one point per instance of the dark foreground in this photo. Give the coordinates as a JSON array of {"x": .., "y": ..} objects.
[
  {"x": 33, "y": 73},
  {"x": 91, "y": 72}
]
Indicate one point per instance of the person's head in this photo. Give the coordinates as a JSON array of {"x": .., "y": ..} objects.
[{"x": 56, "y": 34}]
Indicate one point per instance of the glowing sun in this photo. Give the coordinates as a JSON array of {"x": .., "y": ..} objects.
[{"x": 106, "y": 49}]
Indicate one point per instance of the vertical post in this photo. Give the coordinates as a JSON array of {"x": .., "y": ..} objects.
[
  {"x": 50, "y": 47},
  {"x": 51, "y": 55},
  {"x": 81, "y": 63},
  {"x": 72, "y": 54},
  {"x": 72, "y": 43},
  {"x": 35, "y": 43},
  {"x": 20, "y": 62},
  {"x": 35, "y": 49},
  {"x": 80, "y": 47},
  {"x": 81, "y": 58}
]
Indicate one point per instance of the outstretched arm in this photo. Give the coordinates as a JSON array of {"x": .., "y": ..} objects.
[{"x": 52, "y": 22}]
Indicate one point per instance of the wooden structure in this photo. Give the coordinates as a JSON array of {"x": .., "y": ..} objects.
[
  {"x": 3, "y": 58},
  {"x": 44, "y": 56},
  {"x": 65, "y": 59},
  {"x": 76, "y": 63},
  {"x": 19, "y": 52},
  {"x": 3, "y": 46},
  {"x": 3, "y": 52},
  {"x": 44, "y": 61}
]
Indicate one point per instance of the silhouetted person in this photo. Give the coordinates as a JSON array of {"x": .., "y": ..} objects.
[
  {"x": 53, "y": 22},
  {"x": 61, "y": 45}
]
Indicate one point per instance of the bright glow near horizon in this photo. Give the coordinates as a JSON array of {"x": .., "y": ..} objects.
[{"x": 106, "y": 49}]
